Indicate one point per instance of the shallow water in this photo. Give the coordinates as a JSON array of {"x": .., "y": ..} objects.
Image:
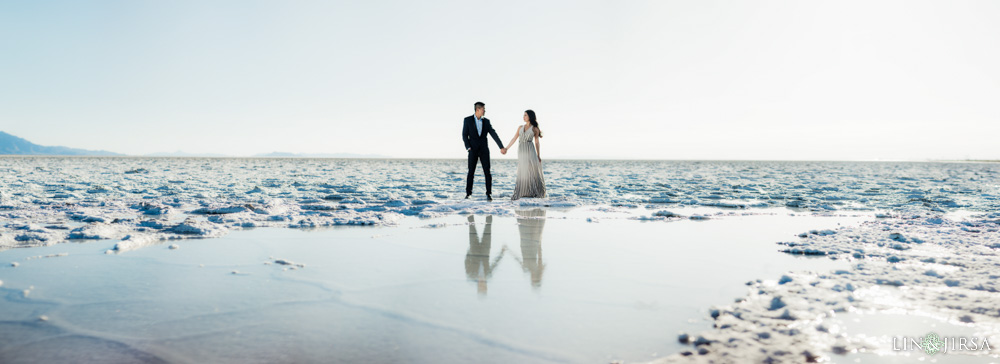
[{"x": 540, "y": 286}]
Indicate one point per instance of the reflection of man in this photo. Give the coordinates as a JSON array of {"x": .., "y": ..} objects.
[
  {"x": 530, "y": 224},
  {"x": 477, "y": 260}
]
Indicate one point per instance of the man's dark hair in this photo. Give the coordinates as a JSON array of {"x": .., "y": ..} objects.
[{"x": 479, "y": 104}]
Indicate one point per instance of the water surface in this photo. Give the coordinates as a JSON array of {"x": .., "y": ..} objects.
[{"x": 539, "y": 286}]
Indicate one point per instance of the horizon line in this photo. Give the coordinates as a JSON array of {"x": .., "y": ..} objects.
[{"x": 552, "y": 159}]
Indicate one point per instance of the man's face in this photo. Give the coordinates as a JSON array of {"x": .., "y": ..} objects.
[{"x": 480, "y": 111}]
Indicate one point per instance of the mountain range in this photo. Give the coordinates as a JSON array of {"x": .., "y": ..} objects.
[
  {"x": 318, "y": 155},
  {"x": 12, "y": 145}
]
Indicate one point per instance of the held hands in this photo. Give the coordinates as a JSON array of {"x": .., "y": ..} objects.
[{"x": 503, "y": 151}]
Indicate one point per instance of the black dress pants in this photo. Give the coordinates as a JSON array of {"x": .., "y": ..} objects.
[{"x": 481, "y": 154}]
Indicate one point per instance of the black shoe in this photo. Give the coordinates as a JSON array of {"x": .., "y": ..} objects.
[
  {"x": 467, "y": 196},
  {"x": 489, "y": 198}
]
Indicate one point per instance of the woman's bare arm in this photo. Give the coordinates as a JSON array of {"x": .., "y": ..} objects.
[{"x": 513, "y": 139}]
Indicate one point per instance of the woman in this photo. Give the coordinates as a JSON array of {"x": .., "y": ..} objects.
[{"x": 529, "y": 163}]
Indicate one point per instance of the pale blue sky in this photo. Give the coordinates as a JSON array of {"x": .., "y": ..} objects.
[{"x": 843, "y": 80}]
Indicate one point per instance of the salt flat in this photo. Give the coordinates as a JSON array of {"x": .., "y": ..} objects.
[
  {"x": 46, "y": 200},
  {"x": 353, "y": 259}
]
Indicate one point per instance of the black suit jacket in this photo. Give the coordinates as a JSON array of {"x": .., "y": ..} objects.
[{"x": 474, "y": 141}]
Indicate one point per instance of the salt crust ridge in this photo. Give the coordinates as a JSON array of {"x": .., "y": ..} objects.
[
  {"x": 917, "y": 263},
  {"x": 48, "y": 200}
]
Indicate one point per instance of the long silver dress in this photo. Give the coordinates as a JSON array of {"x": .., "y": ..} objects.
[{"x": 530, "y": 182}]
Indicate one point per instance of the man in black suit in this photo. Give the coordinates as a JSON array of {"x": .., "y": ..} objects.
[{"x": 474, "y": 132}]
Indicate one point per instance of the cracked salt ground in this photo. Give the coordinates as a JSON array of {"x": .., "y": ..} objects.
[
  {"x": 921, "y": 263},
  {"x": 537, "y": 286},
  {"x": 49, "y": 200}
]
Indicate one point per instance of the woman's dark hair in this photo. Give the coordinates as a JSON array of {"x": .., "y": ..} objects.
[{"x": 534, "y": 121}]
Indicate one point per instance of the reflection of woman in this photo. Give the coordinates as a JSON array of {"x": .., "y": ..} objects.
[
  {"x": 477, "y": 260},
  {"x": 530, "y": 224}
]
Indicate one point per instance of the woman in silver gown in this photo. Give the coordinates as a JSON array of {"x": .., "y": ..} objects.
[{"x": 529, "y": 162}]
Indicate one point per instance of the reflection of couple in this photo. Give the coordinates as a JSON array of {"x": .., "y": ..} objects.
[
  {"x": 529, "y": 182},
  {"x": 479, "y": 267}
]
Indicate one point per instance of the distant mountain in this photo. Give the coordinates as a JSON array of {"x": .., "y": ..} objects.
[
  {"x": 319, "y": 155},
  {"x": 12, "y": 145},
  {"x": 186, "y": 154}
]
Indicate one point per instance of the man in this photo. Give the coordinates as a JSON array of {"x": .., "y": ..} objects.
[{"x": 474, "y": 133}]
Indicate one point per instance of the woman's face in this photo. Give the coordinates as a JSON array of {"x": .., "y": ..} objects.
[{"x": 526, "y": 117}]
